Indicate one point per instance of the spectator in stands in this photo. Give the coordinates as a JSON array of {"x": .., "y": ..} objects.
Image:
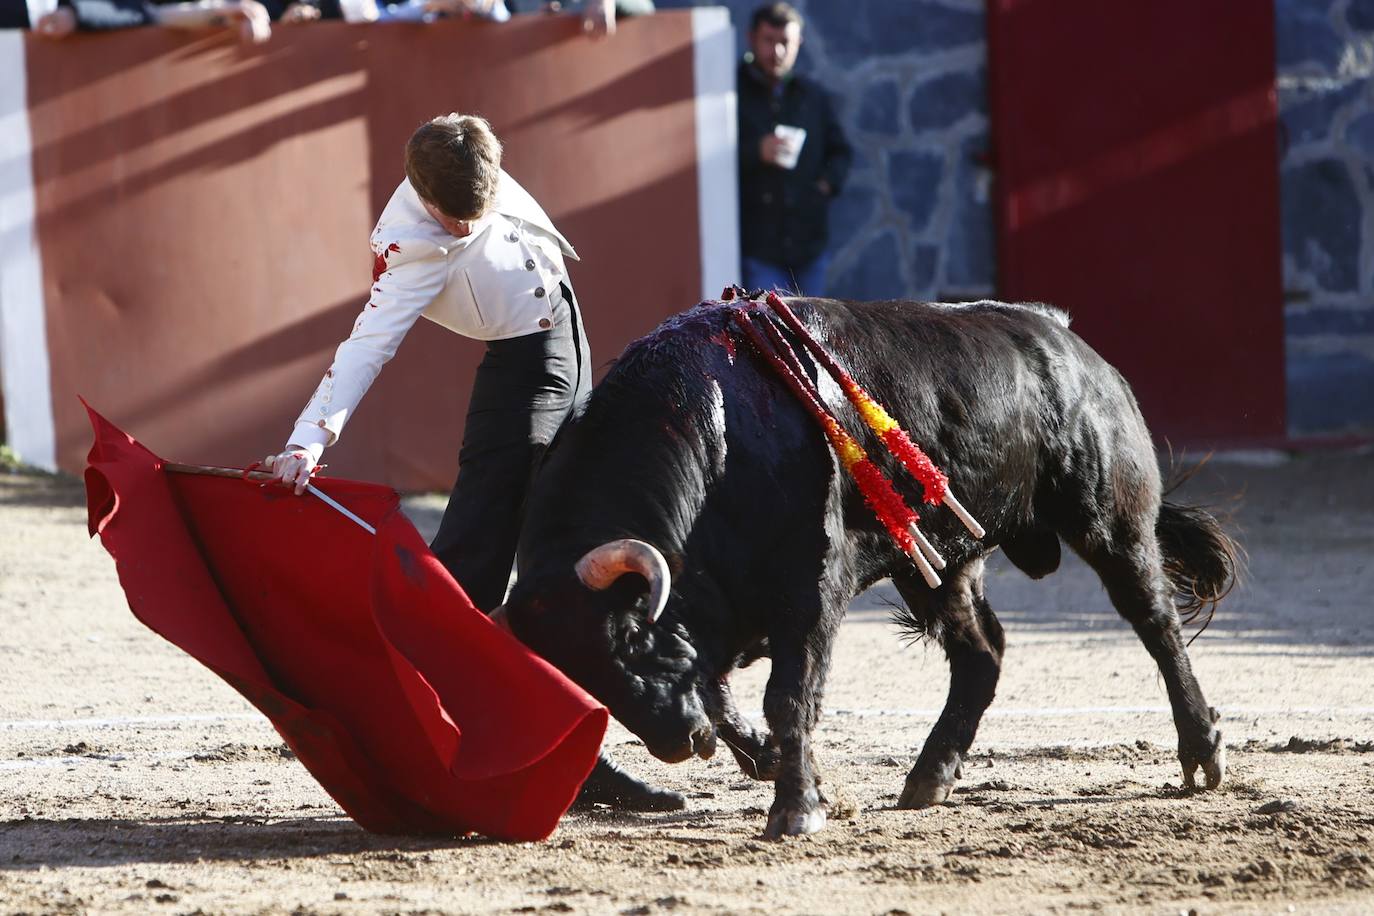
[
  {"x": 253, "y": 20},
  {"x": 298, "y": 11},
  {"x": 67, "y": 16},
  {"x": 793, "y": 159},
  {"x": 494, "y": 10},
  {"x": 48, "y": 19},
  {"x": 598, "y": 16},
  {"x": 463, "y": 244},
  {"x": 89, "y": 15}
]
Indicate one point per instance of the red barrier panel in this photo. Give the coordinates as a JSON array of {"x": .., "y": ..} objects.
[
  {"x": 203, "y": 211},
  {"x": 1138, "y": 188}
]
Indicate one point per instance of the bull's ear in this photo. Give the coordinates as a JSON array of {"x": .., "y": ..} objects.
[
  {"x": 676, "y": 564},
  {"x": 516, "y": 616},
  {"x": 500, "y": 618}
]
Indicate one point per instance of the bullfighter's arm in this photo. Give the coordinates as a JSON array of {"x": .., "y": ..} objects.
[{"x": 415, "y": 273}]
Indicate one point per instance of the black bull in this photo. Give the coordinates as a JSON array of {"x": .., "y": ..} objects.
[{"x": 693, "y": 446}]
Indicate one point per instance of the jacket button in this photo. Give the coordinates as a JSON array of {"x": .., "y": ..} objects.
[
  {"x": 529, "y": 264},
  {"x": 545, "y": 323},
  {"x": 539, "y": 292},
  {"x": 513, "y": 237}
]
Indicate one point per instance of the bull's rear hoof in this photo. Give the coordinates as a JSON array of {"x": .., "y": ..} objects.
[
  {"x": 794, "y": 823},
  {"x": 1213, "y": 768},
  {"x": 609, "y": 785},
  {"x": 931, "y": 783},
  {"x": 924, "y": 793}
]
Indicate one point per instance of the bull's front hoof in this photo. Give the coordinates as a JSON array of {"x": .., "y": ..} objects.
[
  {"x": 924, "y": 792},
  {"x": 786, "y": 822},
  {"x": 1213, "y": 766}
]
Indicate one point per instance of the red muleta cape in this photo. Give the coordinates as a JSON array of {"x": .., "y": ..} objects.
[{"x": 411, "y": 708}]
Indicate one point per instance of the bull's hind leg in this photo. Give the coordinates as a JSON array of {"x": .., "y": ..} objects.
[
  {"x": 1130, "y": 568},
  {"x": 973, "y": 641}
]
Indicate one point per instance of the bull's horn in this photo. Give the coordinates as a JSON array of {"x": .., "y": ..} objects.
[{"x": 603, "y": 565}]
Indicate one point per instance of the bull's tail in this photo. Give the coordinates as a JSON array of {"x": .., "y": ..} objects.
[{"x": 1201, "y": 561}]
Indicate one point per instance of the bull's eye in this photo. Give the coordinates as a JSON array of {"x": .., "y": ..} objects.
[{"x": 635, "y": 638}]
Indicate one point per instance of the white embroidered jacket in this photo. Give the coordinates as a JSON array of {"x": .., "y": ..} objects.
[{"x": 500, "y": 281}]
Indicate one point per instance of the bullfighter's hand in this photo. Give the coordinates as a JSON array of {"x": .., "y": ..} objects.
[
  {"x": 292, "y": 468},
  {"x": 772, "y": 148}
]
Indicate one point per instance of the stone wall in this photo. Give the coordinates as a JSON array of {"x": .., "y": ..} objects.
[
  {"x": 908, "y": 78},
  {"x": 1326, "y": 103},
  {"x": 909, "y": 81}
]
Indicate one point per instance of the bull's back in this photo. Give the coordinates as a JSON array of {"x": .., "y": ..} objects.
[{"x": 1005, "y": 398}]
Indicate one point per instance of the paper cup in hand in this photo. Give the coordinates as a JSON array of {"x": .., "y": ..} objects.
[{"x": 792, "y": 139}]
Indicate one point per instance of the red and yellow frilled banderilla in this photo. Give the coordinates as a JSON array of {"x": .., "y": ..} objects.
[{"x": 878, "y": 493}]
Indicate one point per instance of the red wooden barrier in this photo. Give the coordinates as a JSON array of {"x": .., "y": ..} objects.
[{"x": 202, "y": 212}]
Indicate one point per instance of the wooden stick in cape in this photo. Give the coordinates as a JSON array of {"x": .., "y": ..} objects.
[{"x": 264, "y": 477}]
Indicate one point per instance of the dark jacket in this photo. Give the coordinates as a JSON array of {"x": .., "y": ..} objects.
[{"x": 783, "y": 213}]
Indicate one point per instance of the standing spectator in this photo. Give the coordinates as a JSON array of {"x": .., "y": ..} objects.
[{"x": 793, "y": 159}]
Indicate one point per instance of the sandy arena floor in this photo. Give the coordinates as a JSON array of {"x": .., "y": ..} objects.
[{"x": 133, "y": 781}]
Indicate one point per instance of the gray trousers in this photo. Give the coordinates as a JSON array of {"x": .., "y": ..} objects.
[{"x": 526, "y": 388}]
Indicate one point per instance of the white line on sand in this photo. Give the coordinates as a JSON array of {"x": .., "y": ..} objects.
[
  {"x": 130, "y": 721},
  {"x": 1069, "y": 711},
  {"x": 45, "y": 763},
  {"x": 1043, "y": 712}
]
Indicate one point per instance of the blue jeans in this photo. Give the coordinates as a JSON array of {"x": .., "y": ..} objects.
[{"x": 808, "y": 280}]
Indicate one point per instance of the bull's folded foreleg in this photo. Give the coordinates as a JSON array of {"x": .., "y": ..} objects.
[
  {"x": 792, "y": 704},
  {"x": 973, "y": 641},
  {"x": 753, "y": 749}
]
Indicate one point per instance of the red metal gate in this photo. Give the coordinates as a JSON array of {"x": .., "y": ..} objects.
[{"x": 1137, "y": 186}]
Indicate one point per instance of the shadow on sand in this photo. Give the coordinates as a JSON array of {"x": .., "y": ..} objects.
[{"x": 30, "y": 844}]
